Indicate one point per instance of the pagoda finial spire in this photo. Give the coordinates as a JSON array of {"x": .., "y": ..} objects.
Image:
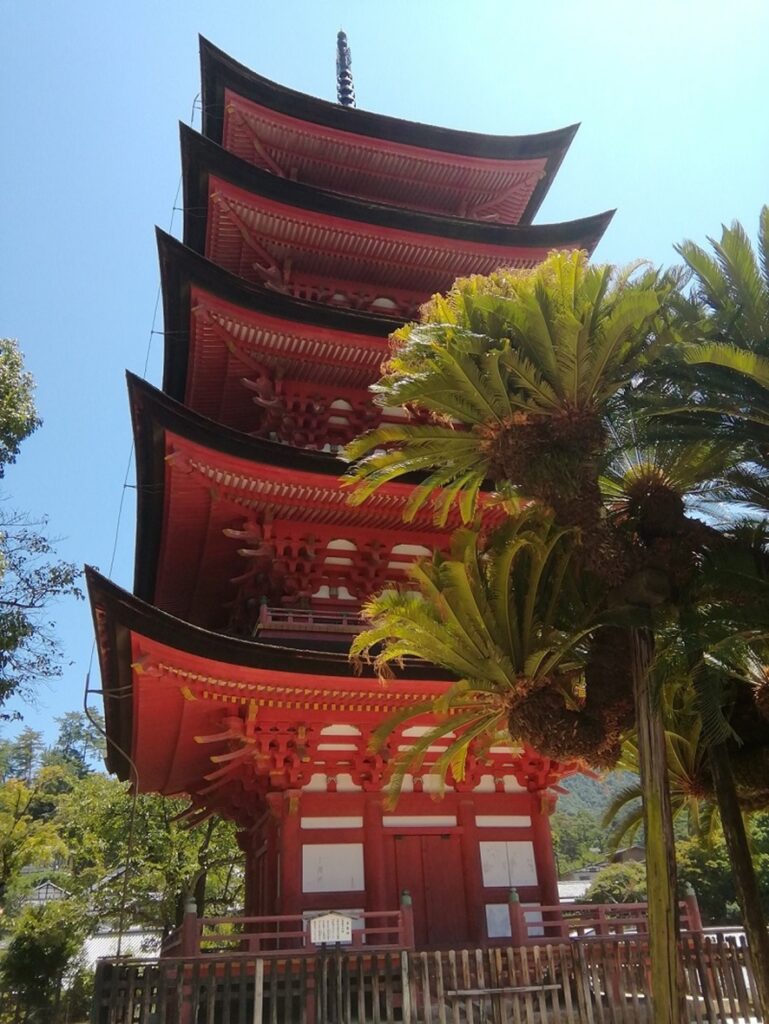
[{"x": 345, "y": 90}]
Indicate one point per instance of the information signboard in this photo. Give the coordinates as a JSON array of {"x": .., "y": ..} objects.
[{"x": 328, "y": 929}]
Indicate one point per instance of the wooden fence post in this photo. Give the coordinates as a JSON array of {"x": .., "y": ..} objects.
[
  {"x": 406, "y": 987},
  {"x": 256, "y": 1017},
  {"x": 519, "y": 931},
  {"x": 407, "y": 920},
  {"x": 190, "y": 936}
]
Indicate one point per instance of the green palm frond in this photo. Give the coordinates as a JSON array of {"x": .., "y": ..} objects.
[
  {"x": 556, "y": 343},
  {"x": 748, "y": 365},
  {"x": 686, "y": 756},
  {"x": 691, "y": 468},
  {"x": 504, "y": 617}
]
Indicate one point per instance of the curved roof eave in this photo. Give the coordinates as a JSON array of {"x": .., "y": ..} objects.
[
  {"x": 201, "y": 158},
  {"x": 181, "y": 267},
  {"x": 220, "y": 71},
  {"x": 117, "y": 614},
  {"x": 153, "y": 414}
]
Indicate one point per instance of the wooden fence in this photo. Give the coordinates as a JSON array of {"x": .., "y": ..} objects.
[{"x": 585, "y": 981}]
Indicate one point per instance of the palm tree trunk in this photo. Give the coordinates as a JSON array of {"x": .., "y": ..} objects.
[
  {"x": 666, "y": 970},
  {"x": 748, "y": 895}
]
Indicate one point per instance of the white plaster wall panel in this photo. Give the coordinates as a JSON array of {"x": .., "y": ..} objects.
[
  {"x": 432, "y": 783},
  {"x": 422, "y": 730},
  {"x": 412, "y": 820},
  {"x": 512, "y": 785},
  {"x": 317, "y": 783},
  {"x": 498, "y": 921},
  {"x": 332, "y": 867},
  {"x": 344, "y": 783},
  {"x": 503, "y": 820},
  {"x": 316, "y": 823},
  {"x": 533, "y": 919},
  {"x": 508, "y": 863}
]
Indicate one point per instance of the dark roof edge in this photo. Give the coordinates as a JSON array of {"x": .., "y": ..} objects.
[
  {"x": 149, "y": 402},
  {"x": 220, "y": 71},
  {"x": 132, "y": 613},
  {"x": 181, "y": 267},
  {"x": 117, "y": 700},
  {"x": 154, "y": 413},
  {"x": 202, "y": 157}
]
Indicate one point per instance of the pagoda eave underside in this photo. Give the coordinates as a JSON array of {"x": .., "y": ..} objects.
[
  {"x": 334, "y": 147},
  {"x": 217, "y": 328},
  {"x": 363, "y": 255},
  {"x": 197, "y": 483},
  {"x": 224, "y": 720}
]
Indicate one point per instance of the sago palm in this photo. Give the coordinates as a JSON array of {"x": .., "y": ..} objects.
[
  {"x": 728, "y": 387},
  {"x": 510, "y": 376},
  {"x": 689, "y": 795},
  {"x": 509, "y": 620}
]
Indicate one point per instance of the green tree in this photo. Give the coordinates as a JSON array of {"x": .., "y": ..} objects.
[
  {"x": 722, "y": 386},
  {"x": 510, "y": 622},
  {"x": 30, "y": 576},
  {"x": 518, "y": 376},
  {"x": 618, "y": 883},
  {"x": 18, "y": 417},
  {"x": 166, "y": 863},
  {"x": 578, "y": 839},
  {"x": 80, "y": 741},
  {"x": 44, "y": 945},
  {"x": 30, "y": 580},
  {"x": 24, "y": 838},
  {"x": 22, "y": 755}
]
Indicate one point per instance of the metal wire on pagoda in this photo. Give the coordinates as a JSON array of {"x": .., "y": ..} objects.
[{"x": 88, "y": 690}]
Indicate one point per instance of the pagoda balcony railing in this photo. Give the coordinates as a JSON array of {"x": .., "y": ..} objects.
[
  {"x": 394, "y": 929},
  {"x": 287, "y": 934},
  {"x": 308, "y": 620}
]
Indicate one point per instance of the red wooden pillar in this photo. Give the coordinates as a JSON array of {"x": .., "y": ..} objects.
[
  {"x": 694, "y": 919},
  {"x": 373, "y": 854},
  {"x": 547, "y": 873},
  {"x": 190, "y": 932},
  {"x": 290, "y": 854},
  {"x": 519, "y": 932},
  {"x": 472, "y": 875},
  {"x": 270, "y": 901}
]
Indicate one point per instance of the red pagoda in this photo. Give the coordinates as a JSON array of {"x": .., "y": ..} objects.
[{"x": 311, "y": 231}]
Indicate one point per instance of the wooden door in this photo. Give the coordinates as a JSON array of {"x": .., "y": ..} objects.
[
  {"x": 410, "y": 875},
  {"x": 447, "y": 923},
  {"x": 430, "y": 867}
]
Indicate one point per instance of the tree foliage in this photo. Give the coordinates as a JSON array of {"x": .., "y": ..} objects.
[
  {"x": 31, "y": 577},
  {"x": 618, "y": 883},
  {"x": 45, "y": 943},
  {"x": 546, "y": 384},
  {"x": 18, "y": 417},
  {"x": 79, "y": 828}
]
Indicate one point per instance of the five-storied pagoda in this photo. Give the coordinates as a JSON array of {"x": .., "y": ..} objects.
[{"x": 311, "y": 231}]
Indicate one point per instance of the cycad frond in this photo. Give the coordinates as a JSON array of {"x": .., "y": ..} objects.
[
  {"x": 504, "y": 617},
  {"x": 504, "y": 357}
]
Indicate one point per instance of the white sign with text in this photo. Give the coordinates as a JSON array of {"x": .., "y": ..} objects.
[{"x": 330, "y": 928}]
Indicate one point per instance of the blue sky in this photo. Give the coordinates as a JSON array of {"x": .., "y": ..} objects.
[{"x": 671, "y": 96}]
